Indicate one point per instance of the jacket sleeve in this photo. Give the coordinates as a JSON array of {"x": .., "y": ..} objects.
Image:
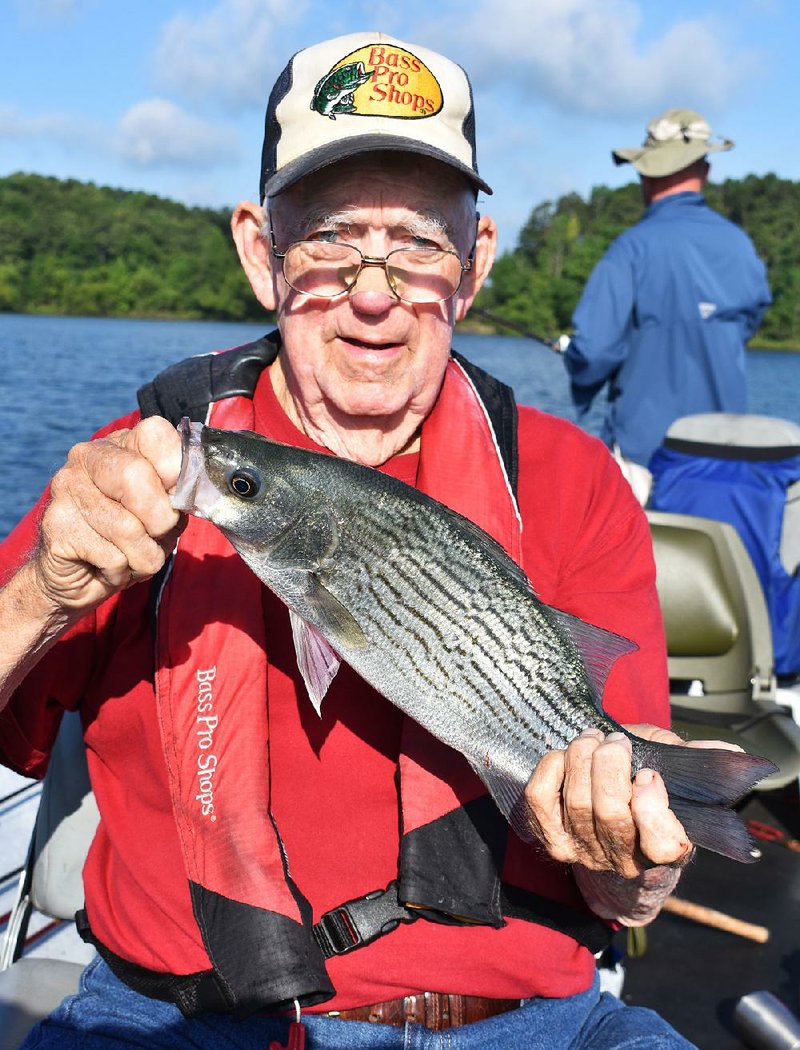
[
  {"x": 761, "y": 296},
  {"x": 588, "y": 551},
  {"x": 602, "y": 323}
]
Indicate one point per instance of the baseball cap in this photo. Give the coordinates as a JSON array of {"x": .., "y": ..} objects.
[
  {"x": 674, "y": 140},
  {"x": 365, "y": 92}
]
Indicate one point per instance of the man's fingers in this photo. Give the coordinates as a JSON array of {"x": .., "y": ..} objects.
[
  {"x": 585, "y": 808},
  {"x": 614, "y": 827},
  {"x": 109, "y": 522},
  {"x": 655, "y": 733},
  {"x": 662, "y": 839},
  {"x": 545, "y": 809},
  {"x": 110, "y": 545},
  {"x": 159, "y": 442},
  {"x": 715, "y": 745},
  {"x": 666, "y": 736},
  {"x": 579, "y": 788},
  {"x": 118, "y": 469}
]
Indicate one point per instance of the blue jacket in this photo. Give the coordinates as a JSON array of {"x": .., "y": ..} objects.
[{"x": 664, "y": 318}]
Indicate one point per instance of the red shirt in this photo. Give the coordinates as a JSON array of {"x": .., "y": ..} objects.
[{"x": 586, "y": 549}]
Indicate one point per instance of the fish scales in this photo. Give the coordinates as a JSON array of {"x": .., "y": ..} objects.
[
  {"x": 469, "y": 631},
  {"x": 430, "y": 610},
  {"x": 464, "y": 618}
]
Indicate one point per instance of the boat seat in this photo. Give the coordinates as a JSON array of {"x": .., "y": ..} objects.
[
  {"x": 743, "y": 469},
  {"x": 51, "y": 882},
  {"x": 719, "y": 642}
]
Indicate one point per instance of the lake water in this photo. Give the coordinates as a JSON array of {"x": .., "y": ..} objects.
[{"x": 63, "y": 377}]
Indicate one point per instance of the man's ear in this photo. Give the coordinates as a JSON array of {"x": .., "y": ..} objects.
[
  {"x": 485, "y": 251},
  {"x": 254, "y": 252}
]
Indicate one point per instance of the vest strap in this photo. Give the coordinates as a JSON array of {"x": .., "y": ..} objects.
[
  {"x": 584, "y": 927},
  {"x": 362, "y": 920}
]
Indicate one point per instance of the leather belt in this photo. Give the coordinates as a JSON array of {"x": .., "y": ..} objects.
[{"x": 434, "y": 1010}]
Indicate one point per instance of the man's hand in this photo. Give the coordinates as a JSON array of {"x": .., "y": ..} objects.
[
  {"x": 626, "y": 845},
  {"x": 109, "y": 522}
]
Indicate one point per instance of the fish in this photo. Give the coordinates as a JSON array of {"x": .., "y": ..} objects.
[
  {"x": 432, "y": 612},
  {"x": 334, "y": 92}
]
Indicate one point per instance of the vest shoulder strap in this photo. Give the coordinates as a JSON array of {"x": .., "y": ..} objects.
[
  {"x": 188, "y": 387},
  {"x": 501, "y": 407}
]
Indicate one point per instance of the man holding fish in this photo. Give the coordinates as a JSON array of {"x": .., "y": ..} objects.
[{"x": 378, "y": 871}]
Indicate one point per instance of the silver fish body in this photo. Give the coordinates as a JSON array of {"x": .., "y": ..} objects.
[{"x": 424, "y": 605}]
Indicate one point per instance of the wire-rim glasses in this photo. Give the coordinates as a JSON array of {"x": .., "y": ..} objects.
[{"x": 327, "y": 269}]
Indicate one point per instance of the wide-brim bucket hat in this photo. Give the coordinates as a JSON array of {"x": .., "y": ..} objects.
[{"x": 675, "y": 140}]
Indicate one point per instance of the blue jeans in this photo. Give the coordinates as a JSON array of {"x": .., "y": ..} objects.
[{"x": 107, "y": 1015}]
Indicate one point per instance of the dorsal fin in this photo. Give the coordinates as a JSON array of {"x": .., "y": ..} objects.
[{"x": 599, "y": 648}]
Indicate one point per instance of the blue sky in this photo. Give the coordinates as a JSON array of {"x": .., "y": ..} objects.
[{"x": 168, "y": 95}]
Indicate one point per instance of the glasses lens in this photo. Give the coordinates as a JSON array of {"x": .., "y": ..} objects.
[
  {"x": 423, "y": 275},
  {"x": 320, "y": 267}
]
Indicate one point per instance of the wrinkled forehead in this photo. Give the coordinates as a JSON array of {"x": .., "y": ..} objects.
[{"x": 389, "y": 184}]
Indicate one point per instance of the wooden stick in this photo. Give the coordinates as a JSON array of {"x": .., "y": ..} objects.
[{"x": 718, "y": 919}]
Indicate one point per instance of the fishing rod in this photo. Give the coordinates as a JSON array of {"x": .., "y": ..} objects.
[{"x": 520, "y": 329}]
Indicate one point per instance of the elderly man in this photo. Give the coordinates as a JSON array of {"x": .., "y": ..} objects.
[
  {"x": 369, "y": 249},
  {"x": 667, "y": 312}
]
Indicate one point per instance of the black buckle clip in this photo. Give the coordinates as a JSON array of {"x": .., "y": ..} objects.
[{"x": 360, "y": 921}]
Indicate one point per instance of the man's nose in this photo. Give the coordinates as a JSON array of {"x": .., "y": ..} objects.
[{"x": 372, "y": 293}]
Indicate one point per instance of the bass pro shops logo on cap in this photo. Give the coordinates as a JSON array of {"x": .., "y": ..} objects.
[
  {"x": 366, "y": 93},
  {"x": 378, "y": 80}
]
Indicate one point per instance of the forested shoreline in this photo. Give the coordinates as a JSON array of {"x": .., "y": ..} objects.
[{"x": 69, "y": 247}]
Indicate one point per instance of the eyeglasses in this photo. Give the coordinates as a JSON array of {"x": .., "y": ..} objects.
[{"x": 326, "y": 269}]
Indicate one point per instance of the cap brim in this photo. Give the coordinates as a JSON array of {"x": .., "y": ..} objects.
[
  {"x": 668, "y": 157},
  {"x": 322, "y": 157}
]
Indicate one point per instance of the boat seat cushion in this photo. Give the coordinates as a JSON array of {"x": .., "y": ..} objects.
[
  {"x": 29, "y": 990},
  {"x": 699, "y": 613}
]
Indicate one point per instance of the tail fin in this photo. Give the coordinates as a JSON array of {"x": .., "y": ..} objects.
[
  {"x": 716, "y": 829},
  {"x": 710, "y": 775},
  {"x": 700, "y": 783}
]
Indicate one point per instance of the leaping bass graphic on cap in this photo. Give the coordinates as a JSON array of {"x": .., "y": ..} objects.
[{"x": 395, "y": 82}]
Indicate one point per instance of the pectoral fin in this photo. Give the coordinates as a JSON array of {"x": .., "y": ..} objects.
[{"x": 334, "y": 621}]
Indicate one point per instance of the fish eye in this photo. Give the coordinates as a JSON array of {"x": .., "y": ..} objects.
[{"x": 244, "y": 484}]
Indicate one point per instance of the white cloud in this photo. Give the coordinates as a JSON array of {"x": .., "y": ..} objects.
[
  {"x": 585, "y": 56},
  {"x": 230, "y": 54},
  {"x": 157, "y": 133},
  {"x": 58, "y": 128}
]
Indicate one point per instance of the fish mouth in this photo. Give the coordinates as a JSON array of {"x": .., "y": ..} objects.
[{"x": 194, "y": 492}]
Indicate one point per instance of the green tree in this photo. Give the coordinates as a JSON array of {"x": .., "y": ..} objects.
[{"x": 74, "y": 247}]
